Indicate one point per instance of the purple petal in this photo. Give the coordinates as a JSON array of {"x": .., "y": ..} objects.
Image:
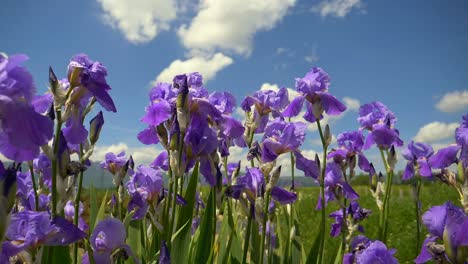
[
  {"x": 330, "y": 104},
  {"x": 157, "y": 113},
  {"x": 294, "y": 108},
  {"x": 282, "y": 196},
  {"x": 148, "y": 136},
  {"x": 444, "y": 157},
  {"x": 309, "y": 167},
  {"x": 424, "y": 168}
]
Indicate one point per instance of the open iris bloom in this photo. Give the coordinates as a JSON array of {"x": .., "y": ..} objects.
[
  {"x": 380, "y": 122},
  {"x": 336, "y": 186},
  {"x": 447, "y": 224},
  {"x": 108, "y": 242},
  {"x": 366, "y": 251},
  {"x": 313, "y": 88},
  {"x": 264, "y": 103},
  {"x": 69, "y": 212},
  {"x": 29, "y": 230},
  {"x": 354, "y": 214},
  {"x": 25, "y": 193},
  {"x": 282, "y": 137},
  {"x": 22, "y": 130},
  {"x": 350, "y": 145},
  {"x": 417, "y": 155}
]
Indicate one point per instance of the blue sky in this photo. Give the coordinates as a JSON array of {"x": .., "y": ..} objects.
[{"x": 411, "y": 55}]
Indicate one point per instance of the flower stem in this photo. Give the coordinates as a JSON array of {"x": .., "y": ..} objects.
[
  {"x": 265, "y": 217},
  {"x": 418, "y": 214},
  {"x": 77, "y": 204},
  {"x": 322, "y": 192},
  {"x": 58, "y": 127},
  {"x": 247, "y": 236},
  {"x": 383, "y": 221},
  {"x": 33, "y": 179}
]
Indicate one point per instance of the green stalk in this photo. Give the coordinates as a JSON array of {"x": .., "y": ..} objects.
[
  {"x": 265, "y": 217},
  {"x": 33, "y": 179},
  {"x": 418, "y": 214},
  {"x": 388, "y": 187},
  {"x": 77, "y": 204},
  {"x": 322, "y": 191},
  {"x": 247, "y": 236},
  {"x": 58, "y": 127}
]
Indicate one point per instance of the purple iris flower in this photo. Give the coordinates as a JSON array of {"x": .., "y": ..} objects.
[
  {"x": 265, "y": 102},
  {"x": 313, "y": 88},
  {"x": 350, "y": 145},
  {"x": 336, "y": 186},
  {"x": 144, "y": 187},
  {"x": 223, "y": 101},
  {"x": 25, "y": 192},
  {"x": 164, "y": 254},
  {"x": 448, "y": 223},
  {"x": 30, "y": 229},
  {"x": 95, "y": 127},
  {"x": 282, "y": 137},
  {"x": 92, "y": 78},
  {"x": 417, "y": 154},
  {"x": 448, "y": 155},
  {"x": 354, "y": 213},
  {"x": 20, "y": 139},
  {"x": 69, "y": 211},
  {"x": 365, "y": 251},
  {"x": 380, "y": 122},
  {"x": 108, "y": 236},
  {"x": 161, "y": 161},
  {"x": 309, "y": 167},
  {"x": 43, "y": 166},
  {"x": 253, "y": 185}
]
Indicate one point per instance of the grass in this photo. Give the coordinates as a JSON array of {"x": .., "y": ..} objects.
[{"x": 402, "y": 220}]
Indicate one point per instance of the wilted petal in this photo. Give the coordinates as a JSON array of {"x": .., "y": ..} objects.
[{"x": 425, "y": 256}]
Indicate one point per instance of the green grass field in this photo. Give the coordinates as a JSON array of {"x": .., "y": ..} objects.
[{"x": 402, "y": 217}]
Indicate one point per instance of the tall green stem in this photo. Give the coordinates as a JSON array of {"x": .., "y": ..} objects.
[
  {"x": 322, "y": 192},
  {"x": 418, "y": 214},
  {"x": 247, "y": 236},
  {"x": 265, "y": 217},
  {"x": 33, "y": 179},
  {"x": 383, "y": 221},
  {"x": 58, "y": 127},
  {"x": 77, "y": 204}
]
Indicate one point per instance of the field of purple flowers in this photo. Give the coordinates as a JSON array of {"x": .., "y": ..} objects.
[{"x": 244, "y": 216}]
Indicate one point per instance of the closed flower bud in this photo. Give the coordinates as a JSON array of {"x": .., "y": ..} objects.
[
  {"x": 327, "y": 135},
  {"x": 392, "y": 159},
  {"x": 53, "y": 81},
  {"x": 317, "y": 109},
  {"x": 95, "y": 127},
  {"x": 274, "y": 178}
]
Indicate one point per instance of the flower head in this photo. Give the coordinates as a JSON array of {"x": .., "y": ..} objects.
[{"x": 417, "y": 155}]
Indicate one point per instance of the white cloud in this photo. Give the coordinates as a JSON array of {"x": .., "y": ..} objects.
[
  {"x": 207, "y": 66},
  {"x": 436, "y": 131},
  {"x": 231, "y": 24},
  {"x": 312, "y": 57},
  {"x": 141, "y": 155},
  {"x": 281, "y": 50},
  {"x": 140, "y": 20},
  {"x": 453, "y": 102},
  {"x": 352, "y": 104},
  {"x": 337, "y": 8}
]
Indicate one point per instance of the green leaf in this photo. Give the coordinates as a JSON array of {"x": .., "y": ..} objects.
[
  {"x": 93, "y": 207},
  {"x": 205, "y": 240},
  {"x": 56, "y": 255},
  {"x": 254, "y": 243},
  {"x": 186, "y": 212},
  {"x": 225, "y": 239},
  {"x": 102, "y": 210},
  {"x": 314, "y": 251},
  {"x": 134, "y": 239},
  {"x": 181, "y": 243},
  {"x": 338, "y": 257}
]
